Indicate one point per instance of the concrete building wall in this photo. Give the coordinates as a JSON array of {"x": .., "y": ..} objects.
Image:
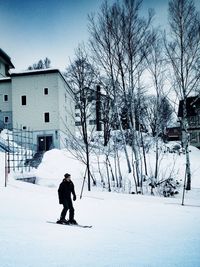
[
  {"x": 5, "y": 103},
  {"x": 45, "y": 93},
  {"x": 66, "y": 108},
  {"x": 37, "y": 103}
]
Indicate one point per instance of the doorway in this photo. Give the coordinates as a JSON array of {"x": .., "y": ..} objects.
[{"x": 45, "y": 143}]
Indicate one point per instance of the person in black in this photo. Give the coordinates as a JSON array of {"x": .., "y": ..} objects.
[{"x": 65, "y": 190}]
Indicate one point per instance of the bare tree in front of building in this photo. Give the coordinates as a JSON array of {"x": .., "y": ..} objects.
[
  {"x": 119, "y": 41},
  {"x": 183, "y": 53},
  {"x": 81, "y": 78}
]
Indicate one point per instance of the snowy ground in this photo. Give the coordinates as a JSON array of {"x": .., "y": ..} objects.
[{"x": 128, "y": 230}]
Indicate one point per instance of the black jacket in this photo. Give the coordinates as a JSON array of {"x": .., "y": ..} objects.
[{"x": 65, "y": 190}]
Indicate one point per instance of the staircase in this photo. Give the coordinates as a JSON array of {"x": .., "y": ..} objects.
[{"x": 36, "y": 160}]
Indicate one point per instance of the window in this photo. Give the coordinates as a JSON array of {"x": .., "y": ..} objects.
[
  {"x": 46, "y": 91},
  {"x": 24, "y": 127},
  {"x": 46, "y": 117},
  {"x": 5, "y": 98},
  {"x": 78, "y": 123},
  {"x": 6, "y": 120},
  {"x": 23, "y": 100}
]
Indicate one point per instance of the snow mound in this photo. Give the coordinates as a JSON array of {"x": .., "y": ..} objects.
[{"x": 55, "y": 164}]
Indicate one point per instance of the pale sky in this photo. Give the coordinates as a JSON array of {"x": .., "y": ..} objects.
[{"x": 34, "y": 29}]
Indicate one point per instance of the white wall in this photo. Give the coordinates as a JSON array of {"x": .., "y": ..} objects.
[
  {"x": 58, "y": 103},
  {"x": 32, "y": 114},
  {"x": 5, "y": 89},
  {"x": 66, "y": 108},
  {"x": 6, "y": 106}
]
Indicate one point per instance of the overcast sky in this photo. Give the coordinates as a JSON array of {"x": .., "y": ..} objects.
[{"x": 34, "y": 29}]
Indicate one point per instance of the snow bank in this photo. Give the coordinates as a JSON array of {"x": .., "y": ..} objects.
[
  {"x": 55, "y": 164},
  {"x": 128, "y": 230}
]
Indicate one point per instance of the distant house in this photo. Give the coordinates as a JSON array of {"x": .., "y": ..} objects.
[
  {"x": 193, "y": 116},
  {"x": 173, "y": 134},
  {"x": 38, "y": 100}
]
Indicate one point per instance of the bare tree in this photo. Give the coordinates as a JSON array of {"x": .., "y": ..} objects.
[
  {"x": 41, "y": 64},
  {"x": 183, "y": 53},
  {"x": 153, "y": 113},
  {"x": 119, "y": 41},
  {"x": 81, "y": 78},
  {"x": 103, "y": 47}
]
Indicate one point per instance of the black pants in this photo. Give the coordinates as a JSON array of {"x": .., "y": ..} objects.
[{"x": 67, "y": 205}]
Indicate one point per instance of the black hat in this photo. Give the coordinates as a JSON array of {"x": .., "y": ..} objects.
[{"x": 67, "y": 175}]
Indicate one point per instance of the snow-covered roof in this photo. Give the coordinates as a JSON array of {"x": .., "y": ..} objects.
[
  {"x": 32, "y": 72},
  {"x": 15, "y": 73}
]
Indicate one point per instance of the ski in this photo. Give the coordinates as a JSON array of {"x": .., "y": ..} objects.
[{"x": 67, "y": 224}]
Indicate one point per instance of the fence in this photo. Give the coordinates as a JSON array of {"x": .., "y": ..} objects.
[{"x": 20, "y": 149}]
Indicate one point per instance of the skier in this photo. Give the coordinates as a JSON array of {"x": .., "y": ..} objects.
[{"x": 65, "y": 190}]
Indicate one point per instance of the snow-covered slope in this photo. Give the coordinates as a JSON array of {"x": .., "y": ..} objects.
[{"x": 128, "y": 230}]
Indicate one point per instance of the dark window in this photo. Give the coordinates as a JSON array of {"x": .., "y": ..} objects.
[
  {"x": 46, "y": 117},
  {"x": 5, "y": 98},
  {"x": 23, "y": 100},
  {"x": 24, "y": 127},
  {"x": 46, "y": 91},
  {"x": 78, "y": 123},
  {"x": 6, "y": 120}
]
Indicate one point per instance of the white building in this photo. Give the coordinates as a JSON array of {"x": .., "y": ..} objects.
[
  {"x": 94, "y": 101},
  {"x": 37, "y": 100}
]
